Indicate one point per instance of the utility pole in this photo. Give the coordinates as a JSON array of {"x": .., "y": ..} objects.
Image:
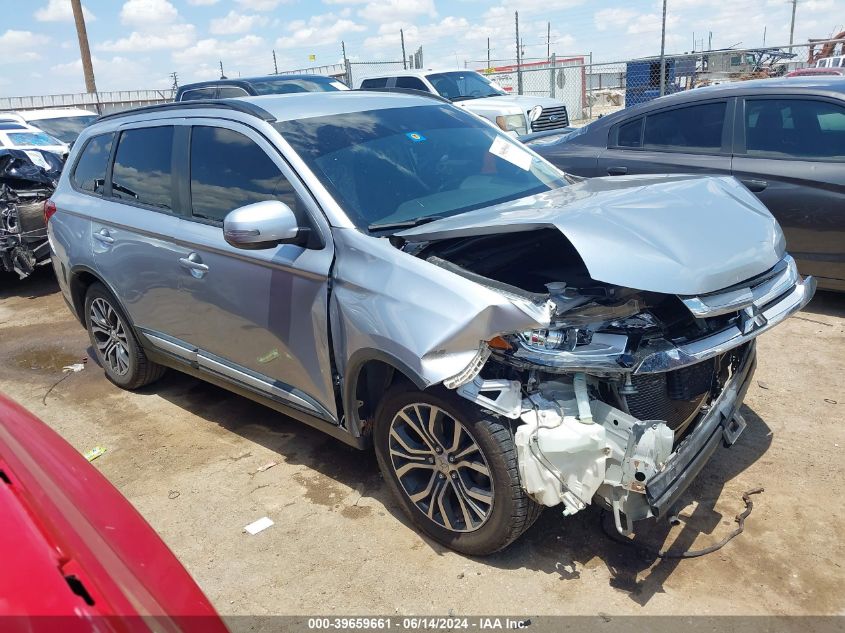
[
  {"x": 275, "y": 65},
  {"x": 222, "y": 76},
  {"x": 404, "y": 59},
  {"x": 710, "y": 41},
  {"x": 663, "y": 53},
  {"x": 548, "y": 40},
  {"x": 84, "y": 51},
  {"x": 175, "y": 79},
  {"x": 764, "y": 35},
  {"x": 518, "y": 56},
  {"x": 792, "y": 24}
]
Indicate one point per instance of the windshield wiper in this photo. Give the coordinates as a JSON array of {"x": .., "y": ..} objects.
[{"x": 405, "y": 224}]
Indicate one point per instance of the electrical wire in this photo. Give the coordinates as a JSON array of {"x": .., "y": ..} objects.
[{"x": 739, "y": 519}]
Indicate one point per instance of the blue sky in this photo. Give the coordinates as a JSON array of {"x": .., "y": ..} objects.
[{"x": 138, "y": 43}]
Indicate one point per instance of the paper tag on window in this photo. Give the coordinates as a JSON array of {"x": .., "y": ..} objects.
[
  {"x": 38, "y": 159},
  {"x": 511, "y": 153}
]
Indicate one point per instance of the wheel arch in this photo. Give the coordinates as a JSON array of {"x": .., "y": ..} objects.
[
  {"x": 80, "y": 279},
  {"x": 369, "y": 373}
]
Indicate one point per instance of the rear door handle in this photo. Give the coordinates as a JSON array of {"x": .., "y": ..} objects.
[
  {"x": 617, "y": 171},
  {"x": 193, "y": 262},
  {"x": 104, "y": 236},
  {"x": 755, "y": 185}
]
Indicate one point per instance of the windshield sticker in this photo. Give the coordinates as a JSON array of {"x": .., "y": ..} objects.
[
  {"x": 416, "y": 137},
  {"x": 511, "y": 152}
]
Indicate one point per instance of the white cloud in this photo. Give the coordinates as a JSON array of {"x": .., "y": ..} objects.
[
  {"x": 210, "y": 50},
  {"x": 26, "y": 45},
  {"x": 202, "y": 3},
  {"x": 144, "y": 13},
  {"x": 234, "y": 22},
  {"x": 317, "y": 31},
  {"x": 260, "y": 5},
  {"x": 173, "y": 37},
  {"x": 396, "y": 10},
  {"x": 60, "y": 11}
]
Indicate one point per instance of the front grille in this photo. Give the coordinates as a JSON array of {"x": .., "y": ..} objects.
[
  {"x": 551, "y": 118},
  {"x": 673, "y": 397}
]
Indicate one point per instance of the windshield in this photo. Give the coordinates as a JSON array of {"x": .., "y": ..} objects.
[
  {"x": 402, "y": 166},
  {"x": 460, "y": 85},
  {"x": 286, "y": 86},
  {"x": 35, "y": 139},
  {"x": 65, "y": 128}
]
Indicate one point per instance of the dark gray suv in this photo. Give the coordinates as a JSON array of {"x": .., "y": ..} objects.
[{"x": 400, "y": 274}]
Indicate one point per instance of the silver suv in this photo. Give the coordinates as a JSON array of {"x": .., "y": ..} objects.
[{"x": 398, "y": 273}]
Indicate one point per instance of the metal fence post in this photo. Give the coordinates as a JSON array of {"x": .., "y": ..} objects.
[
  {"x": 590, "y": 87},
  {"x": 552, "y": 76}
]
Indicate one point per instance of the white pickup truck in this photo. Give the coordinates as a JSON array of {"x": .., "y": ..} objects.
[{"x": 516, "y": 114}]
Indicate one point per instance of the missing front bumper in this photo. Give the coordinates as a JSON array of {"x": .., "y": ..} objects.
[{"x": 721, "y": 423}]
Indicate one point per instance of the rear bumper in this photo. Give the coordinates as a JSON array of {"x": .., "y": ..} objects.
[{"x": 722, "y": 424}]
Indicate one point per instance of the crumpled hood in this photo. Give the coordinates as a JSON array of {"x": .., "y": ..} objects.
[{"x": 675, "y": 234}]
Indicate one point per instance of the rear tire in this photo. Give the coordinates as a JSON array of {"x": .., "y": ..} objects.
[
  {"x": 452, "y": 467},
  {"x": 115, "y": 344}
]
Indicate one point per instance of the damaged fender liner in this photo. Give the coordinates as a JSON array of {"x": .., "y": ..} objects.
[{"x": 664, "y": 489}]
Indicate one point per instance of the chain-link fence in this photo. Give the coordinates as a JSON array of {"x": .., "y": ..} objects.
[
  {"x": 101, "y": 102},
  {"x": 338, "y": 71},
  {"x": 590, "y": 90}
]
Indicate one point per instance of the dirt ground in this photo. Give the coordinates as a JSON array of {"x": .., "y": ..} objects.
[{"x": 186, "y": 454}]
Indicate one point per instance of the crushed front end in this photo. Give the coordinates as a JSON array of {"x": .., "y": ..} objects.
[
  {"x": 625, "y": 395},
  {"x": 27, "y": 179}
]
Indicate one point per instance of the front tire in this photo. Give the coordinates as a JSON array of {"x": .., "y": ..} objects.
[
  {"x": 115, "y": 344},
  {"x": 452, "y": 468}
]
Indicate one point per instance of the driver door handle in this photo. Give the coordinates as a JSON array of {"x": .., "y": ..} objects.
[
  {"x": 755, "y": 185},
  {"x": 193, "y": 263},
  {"x": 617, "y": 171}
]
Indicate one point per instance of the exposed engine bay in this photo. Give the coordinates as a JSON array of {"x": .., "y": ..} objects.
[
  {"x": 27, "y": 179},
  {"x": 626, "y": 392}
]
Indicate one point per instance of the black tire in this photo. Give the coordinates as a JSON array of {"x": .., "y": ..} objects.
[
  {"x": 511, "y": 512},
  {"x": 129, "y": 370}
]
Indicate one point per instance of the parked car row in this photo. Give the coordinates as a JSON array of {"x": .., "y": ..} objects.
[{"x": 396, "y": 271}]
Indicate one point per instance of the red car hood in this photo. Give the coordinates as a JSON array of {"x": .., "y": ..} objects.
[{"x": 74, "y": 548}]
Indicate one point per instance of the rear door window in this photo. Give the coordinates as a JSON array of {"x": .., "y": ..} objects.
[
  {"x": 376, "y": 82},
  {"x": 195, "y": 94},
  {"x": 90, "y": 171},
  {"x": 413, "y": 83},
  {"x": 794, "y": 128},
  {"x": 229, "y": 170},
  {"x": 695, "y": 128},
  {"x": 142, "y": 170},
  {"x": 228, "y": 92}
]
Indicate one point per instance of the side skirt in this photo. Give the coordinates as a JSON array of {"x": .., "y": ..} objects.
[{"x": 337, "y": 432}]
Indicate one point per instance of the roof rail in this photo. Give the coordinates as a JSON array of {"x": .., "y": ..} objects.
[
  {"x": 408, "y": 91},
  {"x": 223, "y": 104}
]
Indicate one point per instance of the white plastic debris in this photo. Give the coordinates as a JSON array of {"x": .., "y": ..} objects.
[
  {"x": 73, "y": 368},
  {"x": 257, "y": 526}
]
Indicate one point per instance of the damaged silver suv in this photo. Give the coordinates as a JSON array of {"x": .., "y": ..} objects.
[{"x": 400, "y": 274}]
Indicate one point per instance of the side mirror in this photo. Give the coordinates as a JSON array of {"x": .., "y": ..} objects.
[{"x": 263, "y": 225}]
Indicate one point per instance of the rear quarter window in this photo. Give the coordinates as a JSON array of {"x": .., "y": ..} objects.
[{"x": 90, "y": 171}]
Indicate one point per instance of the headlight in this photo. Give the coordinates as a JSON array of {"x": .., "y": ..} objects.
[
  {"x": 562, "y": 339},
  {"x": 512, "y": 123}
]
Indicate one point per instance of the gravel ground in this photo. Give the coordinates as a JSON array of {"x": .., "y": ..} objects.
[{"x": 188, "y": 456}]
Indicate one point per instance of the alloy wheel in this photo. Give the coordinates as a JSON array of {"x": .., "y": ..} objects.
[
  {"x": 110, "y": 337},
  {"x": 441, "y": 467}
]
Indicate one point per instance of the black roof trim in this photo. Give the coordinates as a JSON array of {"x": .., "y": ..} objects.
[
  {"x": 407, "y": 91},
  {"x": 220, "y": 104}
]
